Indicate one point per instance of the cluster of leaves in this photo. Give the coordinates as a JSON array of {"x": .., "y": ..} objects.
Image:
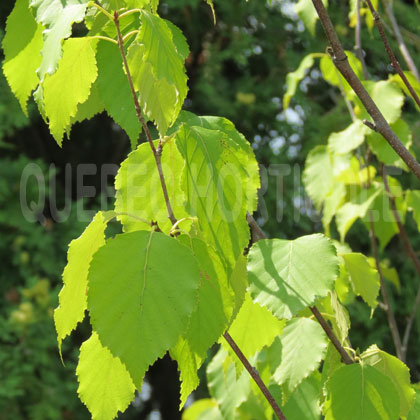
[{"x": 162, "y": 287}]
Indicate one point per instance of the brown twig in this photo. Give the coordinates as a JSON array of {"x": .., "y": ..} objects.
[
  {"x": 384, "y": 292},
  {"x": 391, "y": 54},
  {"x": 413, "y": 256},
  {"x": 255, "y": 376},
  {"x": 401, "y": 44},
  {"x": 345, "y": 357},
  {"x": 156, "y": 153},
  {"x": 325, "y": 326},
  {"x": 342, "y": 64}
]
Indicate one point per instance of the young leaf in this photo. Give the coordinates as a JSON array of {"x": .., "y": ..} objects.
[
  {"x": 58, "y": 17},
  {"x": 307, "y": 13},
  {"x": 224, "y": 387},
  {"x": 389, "y": 98},
  {"x": 360, "y": 392},
  {"x": 349, "y": 139},
  {"x": 21, "y": 45},
  {"x": 363, "y": 277},
  {"x": 293, "y": 78},
  {"x": 115, "y": 92},
  {"x": 140, "y": 297},
  {"x": 139, "y": 193},
  {"x": 318, "y": 175},
  {"x": 288, "y": 276},
  {"x": 395, "y": 370},
  {"x": 70, "y": 85},
  {"x": 304, "y": 344},
  {"x": 246, "y": 329},
  {"x": 385, "y": 153},
  {"x": 158, "y": 72},
  {"x": 72, "y": 298},
  {"x": 204, "y": 409},
  {"x": 105, "y": 386},
  {"x": 355, "y": 208}
]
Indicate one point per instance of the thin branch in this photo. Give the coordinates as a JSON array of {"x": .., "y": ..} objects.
[
  {"x": 358, "y": 41},
  {"x": 391, "y": 54},
  {"x": 401, "y": 44},
  {"x": 412, "y": 254},
  {"x": 255, "y": 376},
  {"x": 387, "y": 304},
  {"x": 156, "y": 153},
  {"x": 345, "y": 357},
  {"x": 342, "y": 64},
  {"x": 259, "y": 234}
]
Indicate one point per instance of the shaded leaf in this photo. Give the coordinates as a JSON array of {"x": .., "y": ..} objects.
[
  {"x": 281, "y": 273},
  {"x": 138, "y": 306},
  {"x": 360, "y": 392}
]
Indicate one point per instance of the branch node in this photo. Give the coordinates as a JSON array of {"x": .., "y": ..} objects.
[{"x": 372, "y": 126}]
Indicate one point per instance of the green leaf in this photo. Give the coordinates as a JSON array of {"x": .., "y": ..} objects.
[
  {"x": 140, "y": 298},
  {"x": 58, "y": 17},
  {"x": 293, "y": 78},
  {"x": 382, "y": 214},
  {"x": 334, "y": 77},
  {"x": 105, "y": 386},
  {"x": 246, "y": 329},
  {"x": 281, "y": 273},
  {"x": 248, "y": 162},
  {"x": 395, "y": 370},
  {"x": 72, "y": 298},
  {"x": 115, "y": 92},
  {"x": 360, "y": 392},
  {"x": 307, "y": 13},
  {"x": 389, "y": 98},
  {"x": 337, "y": 314},
  {"x": 364, "y": 278},
  {"x": 224, "y": 387},
  {"x": 139, "y": 192},
  {"x": 415, "y": 409},
  {"x": 92, "y": 106},
  {"x": 332, "y": 203},
  {"x": 70, "y": 85},
  {"x": 209, "y": 319},
  {"x": 385, "y": 153},
  {"x": 349, "y": 139},
  {"x": 303, "y": 403},
  {"x": 21, "y": 45},
  {"x": 304, "y": 345},
  {"x": 413, "y": 204},
  {"x": 204, "y": 409},
  {"x": 318, "y": 175},
  {"x": 157, "y": 69},
  {"x": 215, "y": 186},
  {"x": 355, "y": 208}
]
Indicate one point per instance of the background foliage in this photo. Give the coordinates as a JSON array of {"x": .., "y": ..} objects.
[{"x": 237, "y": 69}]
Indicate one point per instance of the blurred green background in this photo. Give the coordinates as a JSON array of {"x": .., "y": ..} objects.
[{"x": 236, "y": 69}]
